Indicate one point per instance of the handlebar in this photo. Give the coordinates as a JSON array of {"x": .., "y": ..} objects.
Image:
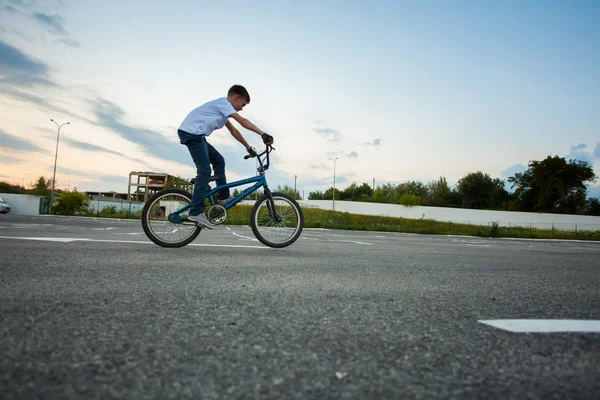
[{"x": 267, "y": 151}]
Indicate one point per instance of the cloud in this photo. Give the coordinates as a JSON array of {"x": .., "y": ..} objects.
[
  {"x": 9, "y": 160},
  {"x": 319, "y": 121},
  {"x": 41, "y": 102},
  {"x": 580, "y": 152},
  {"x": 512, "y": 170},
  {"x": 70, "y": 42},
  {"x": 88, "y": 146},
  {"x": 94, "y": 148},
  {"x": 597, "y": 151},
  {"x": 321, "y": 166},
  {"x": 593, "y": 191},
  {"x": 351, "y": 154},
  {"x": 68, "y": 171},
  {"x": 53, "y": 23},
  {"x": 375, "y": 142},
  {"x": 17, "y": 143},
  {"x": 12, "y": 10},
  {"x": 333, "y": 135},
  {"x": 24, "y": 3},
  {"x": 152, "y": 142},
  {"x": 20, "y": 69}
]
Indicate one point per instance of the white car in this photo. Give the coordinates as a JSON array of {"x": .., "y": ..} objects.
[{"x": 4, "y": 207}]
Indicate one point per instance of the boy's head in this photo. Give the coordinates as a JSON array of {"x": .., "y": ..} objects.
[{"x": 238, "y": 97}]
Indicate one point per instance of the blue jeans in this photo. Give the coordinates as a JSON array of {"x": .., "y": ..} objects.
[{"x": 203, "y": 154}]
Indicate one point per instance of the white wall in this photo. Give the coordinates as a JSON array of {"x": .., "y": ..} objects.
[
  {"x": 133, "y": 206},
  {"x": 463, "y": 215},
  {"x": 25, "y": 204}
]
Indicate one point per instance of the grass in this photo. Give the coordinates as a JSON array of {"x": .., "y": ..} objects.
[{"x": 326, "y": 219}]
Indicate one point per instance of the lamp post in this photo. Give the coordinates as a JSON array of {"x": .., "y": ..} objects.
[
  {"x": 334, "y": 162},
  {"x": 55, "y": 157},
  {"x": 295, "y": 177}
]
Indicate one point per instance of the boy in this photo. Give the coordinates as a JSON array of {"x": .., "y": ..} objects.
[{"x": 194, "y": 129}]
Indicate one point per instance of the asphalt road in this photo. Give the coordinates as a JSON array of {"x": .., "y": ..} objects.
[{"x": 92, "y": 309}]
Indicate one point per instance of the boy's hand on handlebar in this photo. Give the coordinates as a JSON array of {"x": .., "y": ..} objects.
[
  {"x": 267, "y": 139},
  {"x": 251, "y": 151}
]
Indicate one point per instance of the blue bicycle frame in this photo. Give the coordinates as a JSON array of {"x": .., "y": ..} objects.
[{"x": 259, "y": 181}]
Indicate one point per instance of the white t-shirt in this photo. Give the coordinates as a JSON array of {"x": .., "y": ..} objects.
[{"x": 208, "y": 117}]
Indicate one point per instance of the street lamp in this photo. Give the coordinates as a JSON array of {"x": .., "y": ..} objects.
[
  {"x": 295, "y": 177},
  {"x": 334, "y": 162},
  {"x": 55, "y": 157}
]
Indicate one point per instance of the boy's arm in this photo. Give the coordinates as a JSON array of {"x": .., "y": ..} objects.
[
  {"x": 246, "y": 124},
  {"x": 237, "y": 134}
]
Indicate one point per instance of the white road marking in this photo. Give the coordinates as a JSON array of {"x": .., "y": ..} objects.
[
  {"x": 244, "y": 237},
  {"x": 347, "y": 241},
  {"x": 544, "y": 325},
  {"x": 307, "y": 238},
  {"x": 69, "y": 240},
  {"x": 477, "y": 245},
  {"x": 103, "y": 229}
]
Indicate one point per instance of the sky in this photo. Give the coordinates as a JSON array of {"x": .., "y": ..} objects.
[{"x": 395, "y": 90}]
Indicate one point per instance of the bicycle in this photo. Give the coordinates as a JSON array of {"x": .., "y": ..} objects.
[{"x": 276, "y": 218}]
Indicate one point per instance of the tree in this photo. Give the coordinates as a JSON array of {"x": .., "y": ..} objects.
[
  {"x": 357, "y": 193},
  {"x": 385, "y": 193},
  {"x": 592, "y": 206},
  {"x": 316, "y": 195},
  {"x": 412, "y": 187},
  {"x": 553, "y": 185},
  {"x": 71, "y": 203},
  {"x": 289, "y": 191},
  {"x": 328, "y": 195},
  {"x": 8, "y": 188},
  {"x": 177, "y": 182},
  {"x": 408, "y": 199},
  {"x": 42, "y": 187},
  {"x": 439, "y": 194},
  {"x": 478, "y": 190}
]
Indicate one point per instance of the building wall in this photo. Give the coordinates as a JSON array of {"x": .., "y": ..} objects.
[
  {"x": 463, "y": 215},
  {"x": 24, "y": 204}
]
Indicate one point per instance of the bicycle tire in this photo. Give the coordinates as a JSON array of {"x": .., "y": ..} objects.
[
  {"x": 258, "y": 215},
  {"x": 146, "y": 219}
]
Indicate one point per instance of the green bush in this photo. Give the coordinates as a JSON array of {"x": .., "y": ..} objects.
[
  {"x": 408, "y": 199},
  {"x": 70, "y": 203}
]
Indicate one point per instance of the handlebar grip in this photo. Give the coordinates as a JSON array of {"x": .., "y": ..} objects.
[{"x": 247, "y": 157}]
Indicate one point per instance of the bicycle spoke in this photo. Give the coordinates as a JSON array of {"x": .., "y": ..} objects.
[
  {"x": 273, "y": 231},
  {"x": 158, "y": 219}
]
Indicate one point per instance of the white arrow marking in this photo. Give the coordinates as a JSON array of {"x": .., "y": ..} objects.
[{"x": 544, "y": 325}]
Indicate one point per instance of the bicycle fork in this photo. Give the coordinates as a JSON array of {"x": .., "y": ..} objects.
[{"x": 271, "y": 206}]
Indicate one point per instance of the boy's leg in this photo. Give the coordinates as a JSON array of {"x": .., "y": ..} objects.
[
  {"x": 218, "y": 163},
  {"x": 196, "y": 144}
]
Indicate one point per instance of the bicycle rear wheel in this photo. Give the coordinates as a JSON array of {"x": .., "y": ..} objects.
[
  {"x": 157, "y": 225},
  {"x": 273, "y": 231}
]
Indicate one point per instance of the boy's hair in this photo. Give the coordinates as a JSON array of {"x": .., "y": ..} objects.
[{"x": 239, "y": 90}]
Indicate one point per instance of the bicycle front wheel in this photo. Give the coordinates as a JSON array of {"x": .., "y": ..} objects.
[
  {"x": 157, "y": 225},
  {"x": 278, "y": 227}
]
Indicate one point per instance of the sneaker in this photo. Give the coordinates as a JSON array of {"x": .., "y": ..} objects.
[
  {"x": 225, "y": 201},
  {"x": 201, "y": 220}
]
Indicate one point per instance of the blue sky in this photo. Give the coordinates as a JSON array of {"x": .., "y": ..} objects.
[{"x": 397, "y": 90}]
